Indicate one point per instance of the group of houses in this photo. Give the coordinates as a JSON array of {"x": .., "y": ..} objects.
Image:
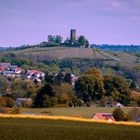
[{"x": 9, "y": 70}]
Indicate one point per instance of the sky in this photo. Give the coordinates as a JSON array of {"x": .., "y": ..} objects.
[{"x": 100, "y": 21}]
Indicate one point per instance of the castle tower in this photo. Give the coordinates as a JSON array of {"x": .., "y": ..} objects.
[{"x": 73, "y": 35}]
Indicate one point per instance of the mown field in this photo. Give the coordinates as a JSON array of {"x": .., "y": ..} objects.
[
  {"x": 84, "y": 112},
  {"x": 39, "y": 129}
]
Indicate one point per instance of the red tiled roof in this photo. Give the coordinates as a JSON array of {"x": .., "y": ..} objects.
[
  {"x": 2, "y": 68},
  {"x": 18, "y": 69},
  {"x": 103, "y": 116},
  {"x": 114, "y": 103},
  {"x": 34, "y": 72}
]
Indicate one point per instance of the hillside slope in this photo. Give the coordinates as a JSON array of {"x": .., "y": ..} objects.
[
  {"x": 55, "y": 53},
  {"x": 46, "y": 53}
]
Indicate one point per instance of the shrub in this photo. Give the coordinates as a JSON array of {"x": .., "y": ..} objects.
[
  {"x": 133, "y": 113},
  {"x": 118, "y": 114},
  {"x": 26, "y": 104},
  {"x": 54, "y": 101},
  {"x": 6, "y": 102},
  {"x": 15, "y": 111},
  {"x": 138, "y": 102},
  {"x": 87, "y": 104},
  {"x": 10, "y": 110}
]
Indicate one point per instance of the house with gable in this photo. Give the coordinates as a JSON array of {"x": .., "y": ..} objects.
[{"x": 103, "y": 117}]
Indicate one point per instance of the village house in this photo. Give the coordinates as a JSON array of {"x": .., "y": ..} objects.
[
  {"x": 103, "y": 116},
  {"x": 8, "y": 73},
  {"x": 9, "y": 70},
  {"x": 2, "y": 69},
  {"x": 114, "y": 104},
  {"x": 35, "y": 75},
  {"x": 117, "y": 104},
  {"x": 17, "y": 70},
  {"x": 6, "y": 65}
]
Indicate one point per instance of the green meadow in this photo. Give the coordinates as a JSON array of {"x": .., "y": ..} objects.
[
  {"x": 38, "y": 129},
  {"x": 84, "y": 112}
]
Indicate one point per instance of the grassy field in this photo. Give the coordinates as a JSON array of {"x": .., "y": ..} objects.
[
  {"x": 84, "y": 112},
  {"x": 39, "y": 129}
]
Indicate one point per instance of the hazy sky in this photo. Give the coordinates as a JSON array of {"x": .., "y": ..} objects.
[{"x": 101, "y": 21}]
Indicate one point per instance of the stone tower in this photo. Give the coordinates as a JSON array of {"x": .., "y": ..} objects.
[{"x": 73, "y": 35}]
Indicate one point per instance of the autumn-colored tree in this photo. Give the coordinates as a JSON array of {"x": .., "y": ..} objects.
[
  {"x": 95, "y": 73},
  {"x": 99, "y": 85}
]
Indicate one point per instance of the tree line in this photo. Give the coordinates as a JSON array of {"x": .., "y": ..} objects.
[{"x": 91, "y": 87}]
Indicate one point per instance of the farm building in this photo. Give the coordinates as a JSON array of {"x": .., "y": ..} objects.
[{"x": 103, "y": 116}]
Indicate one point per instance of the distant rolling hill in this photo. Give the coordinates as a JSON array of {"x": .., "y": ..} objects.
[
  {"x": 119, "y": 48},
  {"x": 2, "y": 48}
]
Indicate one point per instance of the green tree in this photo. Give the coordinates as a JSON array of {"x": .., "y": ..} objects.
[
  {"x": 133, "y": 113},
  {"x": 95, "y": 73},
  {"x": 133, "y": 85},
  {"x": 51, "y": 38},
  {"x": 90, "y": 86},
  {"x": 49, "y": 78},
  {"x": 53, "y": 68},
  {"x": 84, "y": 87},
  {"x": 118, "y": 88},
  {"x": 99, "y": 85},
  {"x": 3, "y": 85},
  {"x": 82, "y": 41},
  {"x": 6, "y": 102},
  {"x": 67, "y": 41},
  {"x": 68, "y": 78},
  {"x": 58, "y": 39},
  {"x": 59, "y": 78},
  {"x": 44, "y": 96},
  {"x": 138, "y": 101},
  {"x": 118, "y": 114},
  {"x": 19, "y": 88}
]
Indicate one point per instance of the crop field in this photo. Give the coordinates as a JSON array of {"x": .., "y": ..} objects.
[
  {"x": 84, "y": 112},
  {"x": 47, "y": 129}
]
